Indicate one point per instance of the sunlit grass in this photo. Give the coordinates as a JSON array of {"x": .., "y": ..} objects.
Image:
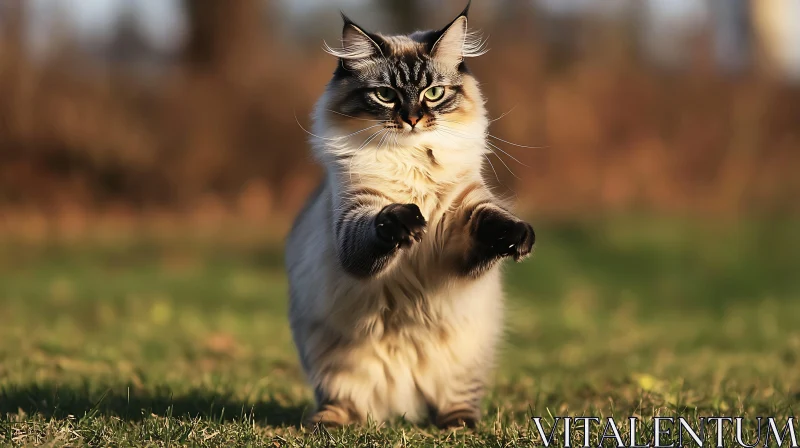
[{"x": 188, "y": 344}]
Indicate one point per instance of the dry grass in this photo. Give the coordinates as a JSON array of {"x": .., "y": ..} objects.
[{"x": 184, "y": 342}]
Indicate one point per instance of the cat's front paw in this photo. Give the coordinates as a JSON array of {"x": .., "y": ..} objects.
[
  {"x": 400, "y": 225},
  {"x": 503, "y": 235}
]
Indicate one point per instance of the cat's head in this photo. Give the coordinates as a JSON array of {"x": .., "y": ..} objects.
[{"x": 411, "y": 85}]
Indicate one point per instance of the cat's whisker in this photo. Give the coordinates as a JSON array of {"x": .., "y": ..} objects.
[
  {"x": 442, "y": 120},
  {"x": 494, "y": 136},
  {"x": 392, "y": 140},
  {"x": 494, "y": 170},
  {"x": 369, "y": 139},
  {"x": 505, "y": 164},
  {"x": 384, "y": 139},
  {"x": 457, "y": 134},
  {"x": 491, "y": 165},
  {"x": 502, "y": 115},
  {"x": 515, "y": 144},
  {"x": 309, "y": 132},
  {"x": 363, "y": 145},
  {"x": 380, "y": 143},
  {"x": 358, "y": 132},
  {"x": 350, "y": 116},
  {"x": 488, "y": 143},
  {"x": 335, "y": 139},
  {"x": 509, "y": 155},
  {"x": 496, "y": 155},
  {"x": 492, "y": 145}
]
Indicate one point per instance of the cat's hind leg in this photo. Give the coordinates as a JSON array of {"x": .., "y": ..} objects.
[
  {"x": 458, "y": 415},
  {"x": 459, "y": 406},
  {"x": 333, "y": 413}
]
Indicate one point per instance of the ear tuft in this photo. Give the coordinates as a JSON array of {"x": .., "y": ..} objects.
[
  {"x": 449, "y": 48},
  {"x": 474, "y": 45},
  {"x": 356, "y": 43},
  {"x": 456, "y": 42}
]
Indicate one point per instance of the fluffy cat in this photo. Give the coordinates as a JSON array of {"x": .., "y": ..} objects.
[{"x": 396, "y": 302}]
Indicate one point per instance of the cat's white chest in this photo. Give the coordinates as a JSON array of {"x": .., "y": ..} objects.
[{"x": 405, "y": 176}]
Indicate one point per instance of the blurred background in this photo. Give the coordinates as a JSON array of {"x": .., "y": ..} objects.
[{"x": 127, "y": 113}]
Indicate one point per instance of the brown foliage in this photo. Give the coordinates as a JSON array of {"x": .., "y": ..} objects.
[{"x": 615, "y": 134}]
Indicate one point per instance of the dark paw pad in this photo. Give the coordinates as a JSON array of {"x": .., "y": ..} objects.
[
  {"x": 502, "y": 235},
  {"x": 400, "y": 224}
]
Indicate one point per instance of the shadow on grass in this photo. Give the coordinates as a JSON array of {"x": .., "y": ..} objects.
[{"x": 59, "y": 402}]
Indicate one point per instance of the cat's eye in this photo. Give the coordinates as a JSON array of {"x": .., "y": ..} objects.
[
  {"x": 386, "y": 94},
  {"x": 434, "y": 93}
]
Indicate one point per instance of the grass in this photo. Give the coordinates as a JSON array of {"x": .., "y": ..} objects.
[{"x": 184, "y": 343}]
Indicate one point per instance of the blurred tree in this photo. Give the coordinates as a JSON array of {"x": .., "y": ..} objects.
[
  {"x": 732, "y": 32},
  {"x": 12, "y": 18},
  {"x": 404, "y": 14},
  {"x": 128, "y": 44},
  {"x": 222, "y": 34}
]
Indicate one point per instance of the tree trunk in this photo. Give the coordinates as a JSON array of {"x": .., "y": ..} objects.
[
  {"x": 403, "y": 14},
  {"x": 12, "y": 18},
  {"x": 222, "y": 34},
  {"x": 732, "y": 34}
]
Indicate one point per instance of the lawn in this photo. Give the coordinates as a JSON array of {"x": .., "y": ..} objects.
[{"x": 185, "y": 342}]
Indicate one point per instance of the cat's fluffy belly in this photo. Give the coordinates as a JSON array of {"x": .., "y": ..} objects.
[{"x": 401, "y": 372}]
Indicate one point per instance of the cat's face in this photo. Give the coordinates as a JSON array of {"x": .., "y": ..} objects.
[{"x": 408, "y": 85}]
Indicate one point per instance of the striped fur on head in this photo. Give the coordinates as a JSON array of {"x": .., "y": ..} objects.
[{"x": 406, "y": 82}]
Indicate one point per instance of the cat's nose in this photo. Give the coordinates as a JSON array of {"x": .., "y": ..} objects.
[{"x": 413, "y": 118}]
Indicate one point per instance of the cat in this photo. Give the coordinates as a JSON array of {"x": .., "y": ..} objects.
[{"x": 396, "y": 300}]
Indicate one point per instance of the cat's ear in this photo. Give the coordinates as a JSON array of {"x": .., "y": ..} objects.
[
  {"x": 455, "y": 42},
  {"x": 357, "y": 44}
]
